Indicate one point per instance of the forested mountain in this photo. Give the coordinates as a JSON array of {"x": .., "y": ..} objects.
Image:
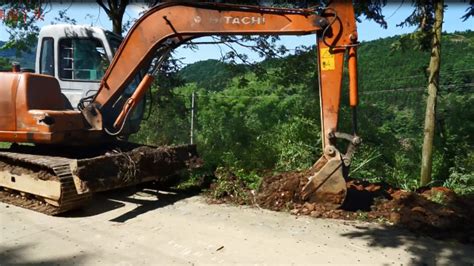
[
  {"x": 211, "y": 74},
  {"x": 26, "y": 60},
  {"x": 378, "y": 61}
]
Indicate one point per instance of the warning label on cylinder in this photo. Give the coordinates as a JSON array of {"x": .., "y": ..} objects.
[{"x": 327, "y": 59}]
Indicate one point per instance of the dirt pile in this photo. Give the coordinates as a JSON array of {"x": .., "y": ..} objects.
[
  {"x": 282, "y": 191},
  {"x": 437, "y": 212},
  {"x": 120, "y": 168}
]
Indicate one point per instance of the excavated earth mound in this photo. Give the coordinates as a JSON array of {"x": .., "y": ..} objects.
[{"x": 437, "y": 212}]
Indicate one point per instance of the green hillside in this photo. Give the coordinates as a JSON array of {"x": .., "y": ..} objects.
[
  {"x": 377, "y": 64},
  {"x": 26, "y": 60},
  {"x": 211, "y": 74}
]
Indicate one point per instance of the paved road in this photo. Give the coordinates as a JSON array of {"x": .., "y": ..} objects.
[{"x": 121, "y": 229}]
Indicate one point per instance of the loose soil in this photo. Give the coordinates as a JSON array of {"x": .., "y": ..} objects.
[
  {"x": 123, "y": 168},
  {"x": 437, "y": 212}
]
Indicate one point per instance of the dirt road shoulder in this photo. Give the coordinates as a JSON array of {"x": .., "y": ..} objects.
[{"x": 139, "y": 229}]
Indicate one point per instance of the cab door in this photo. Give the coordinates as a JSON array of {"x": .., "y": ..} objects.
[{"x": 80, "y": 66}]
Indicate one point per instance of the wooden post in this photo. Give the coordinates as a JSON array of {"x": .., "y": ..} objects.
[{"x": 433, "y": 88}]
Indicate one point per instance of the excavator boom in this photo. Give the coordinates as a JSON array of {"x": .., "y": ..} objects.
[{"x": 176, "y": 23}]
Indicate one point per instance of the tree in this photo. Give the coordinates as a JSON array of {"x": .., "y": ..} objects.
[
  {"x": 433, "y": 88},
  {"x": 19, "y": 19},
  {"x": 469, "y": 11},
  {"x": 428, "y": 17},
  {"x": 5, "y": 64},
  {"x": 22, "y": 16},
  {"x": 115, "y": 10}
]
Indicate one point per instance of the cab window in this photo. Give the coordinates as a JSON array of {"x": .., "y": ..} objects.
[
  {"x": 82, "y": 59},
  {"x": 114, "y": 41},
  {"x": 47, "y": 57}
]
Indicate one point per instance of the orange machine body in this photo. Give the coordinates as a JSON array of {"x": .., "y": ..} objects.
[{"x": 32, "y": 109}]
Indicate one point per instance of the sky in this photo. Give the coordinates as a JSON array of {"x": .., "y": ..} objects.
[{"x": 91, "y": 14}]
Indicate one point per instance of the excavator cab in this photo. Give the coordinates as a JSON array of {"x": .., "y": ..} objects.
[{"x": 78, "y": 57}]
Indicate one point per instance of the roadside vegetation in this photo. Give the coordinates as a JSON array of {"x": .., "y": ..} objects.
[
  {"x": 4, "y": 64},
  {"x": 260, "y": 119}
]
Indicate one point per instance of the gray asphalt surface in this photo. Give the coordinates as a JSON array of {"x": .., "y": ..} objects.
[{"x": 121, "y": 228}]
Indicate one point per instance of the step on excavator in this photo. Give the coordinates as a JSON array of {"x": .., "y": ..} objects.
[{"x": 68, "y": 122}]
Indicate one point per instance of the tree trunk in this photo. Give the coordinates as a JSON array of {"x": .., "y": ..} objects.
[
  {"x": 117, "y": 23},
  {"x": 114, "y": 10},
  {"x": 433, "y": 87}
]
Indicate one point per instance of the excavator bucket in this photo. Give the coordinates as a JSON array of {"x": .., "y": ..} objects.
[{"x": 327, "y": 186}]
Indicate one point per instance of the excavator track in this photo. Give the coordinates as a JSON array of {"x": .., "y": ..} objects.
[
  {"x": 40, "y": 168},
  {"x": 53, "y": 180}
]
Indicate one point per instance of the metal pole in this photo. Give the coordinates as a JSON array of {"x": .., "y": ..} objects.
[{"x": 192, "y": 117}]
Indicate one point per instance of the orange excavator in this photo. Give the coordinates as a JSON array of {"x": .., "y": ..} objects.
[{"x": 67, "y": 136}]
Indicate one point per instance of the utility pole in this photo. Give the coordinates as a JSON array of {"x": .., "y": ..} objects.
[{"x": 192, "y": 117}]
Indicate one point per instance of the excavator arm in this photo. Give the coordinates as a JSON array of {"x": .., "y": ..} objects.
[
  {"x": 327, "y": 182},
  {"x": 169, "y": 25}
]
